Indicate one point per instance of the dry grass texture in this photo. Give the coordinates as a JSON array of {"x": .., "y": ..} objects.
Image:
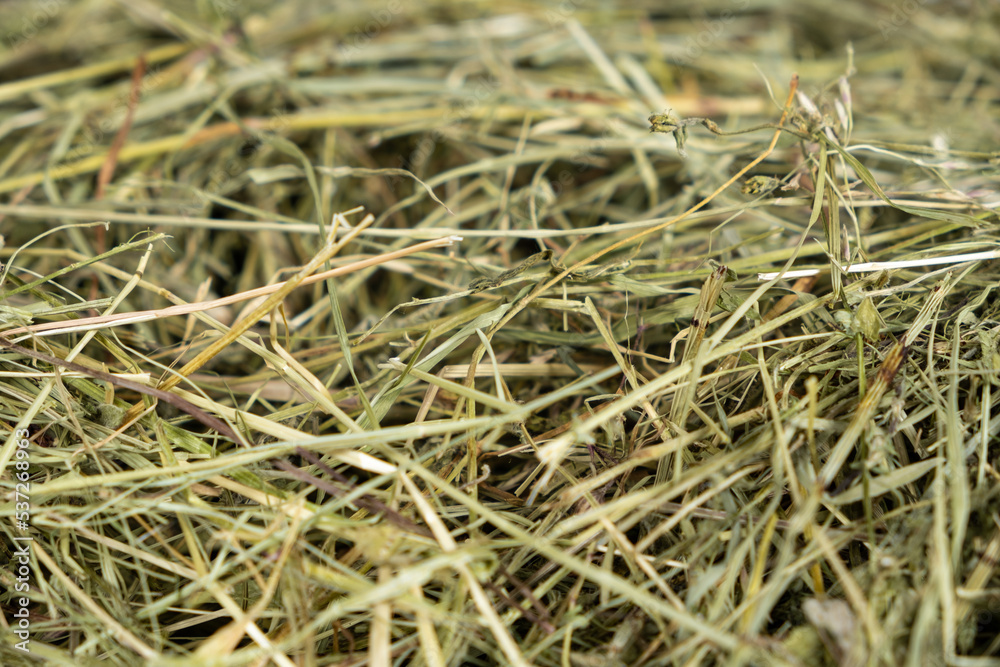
[{"x": 353, "y": 334}]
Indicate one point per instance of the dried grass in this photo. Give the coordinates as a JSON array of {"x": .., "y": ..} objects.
[{"x": 532, "y": 385}]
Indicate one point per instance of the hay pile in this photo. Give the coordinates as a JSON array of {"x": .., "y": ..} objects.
[{"x": 532, "y": 384}]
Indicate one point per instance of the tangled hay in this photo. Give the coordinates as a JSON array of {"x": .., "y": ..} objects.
[{"x": 340, "y": 335}]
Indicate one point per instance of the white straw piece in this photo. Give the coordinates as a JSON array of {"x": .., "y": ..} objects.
[{"x": 880, "y": 266}]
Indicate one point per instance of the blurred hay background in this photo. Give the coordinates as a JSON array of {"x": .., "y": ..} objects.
[{"x": 587, "y": 434}]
